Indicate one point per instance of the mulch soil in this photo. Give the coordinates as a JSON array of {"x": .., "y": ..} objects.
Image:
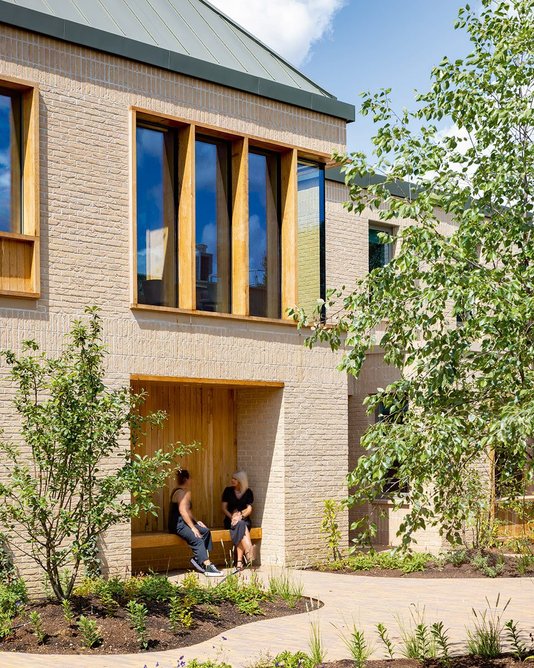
[
  {"x": 456, "y": 662},
  {"x": 118, "y": 636}
]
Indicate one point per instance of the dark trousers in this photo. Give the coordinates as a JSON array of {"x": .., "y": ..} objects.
[{"x": 200, "y": 546}]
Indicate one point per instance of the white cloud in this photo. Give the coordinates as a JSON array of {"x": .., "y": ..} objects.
[{"x": 290, "y": 27}]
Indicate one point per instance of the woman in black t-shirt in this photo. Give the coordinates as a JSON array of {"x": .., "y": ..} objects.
[{"x": 237, "y": 503}]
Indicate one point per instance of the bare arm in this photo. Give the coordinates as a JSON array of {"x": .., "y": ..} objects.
[{"x": 225, "y": 510}]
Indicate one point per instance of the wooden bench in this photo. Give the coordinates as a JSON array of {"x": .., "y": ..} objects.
[{"x": 161, "y": 551}]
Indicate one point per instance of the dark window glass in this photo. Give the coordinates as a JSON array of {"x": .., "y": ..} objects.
[
  {"x": 311, "y": 231},
  {"x": 156, "y": 217},
  {"x": 393, "y": 485},
  {"x": 10, "y": 162},
  {"x": 264, "y": 234},
  {"x": 212, "y": 235},
  {"x": 379, "y": 253}
]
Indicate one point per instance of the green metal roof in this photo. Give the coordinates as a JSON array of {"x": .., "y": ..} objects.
[{"x": 187, "y": 36}]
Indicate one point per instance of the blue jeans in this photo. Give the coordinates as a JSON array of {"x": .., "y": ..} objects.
[{"x": 200, "y": 546}]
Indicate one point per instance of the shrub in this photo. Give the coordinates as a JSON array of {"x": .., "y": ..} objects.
[
  {"x": 13, "y": 596},
  {"x": 289, "y": 659},
  {"x": 330, "y": 527},
  {"x": 180, "y": 613},
  {"x": 155, "y": 588},
  {"x": 137, "y": 613},
  {"x": 68, "y": 612},
  {"x": 89, "y": 631},
  {"x": 36, "y": 623}
]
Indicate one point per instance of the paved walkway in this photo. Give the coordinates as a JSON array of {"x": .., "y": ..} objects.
[{"x": 347, "y": 599}]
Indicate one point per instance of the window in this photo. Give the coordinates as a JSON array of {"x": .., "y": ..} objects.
[
  {"x": 264, "y": 234},
  {"x": 212, "y": 221},
  {"x": 379, "y": 253},
  {"x": 156, "y": 216},
  {"x": 393, "y": 486},
  {"x": 19, "y": 189},
  {"x": 311, "y": 235},
  {"x": 10, "y": 161},
  {"x": 223, "y": 223}
]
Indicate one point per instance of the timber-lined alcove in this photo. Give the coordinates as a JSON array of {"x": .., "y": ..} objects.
[{"x": 197, "y": 411}]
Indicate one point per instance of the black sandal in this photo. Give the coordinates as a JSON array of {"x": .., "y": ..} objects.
[{"x": 238, "y": 568}]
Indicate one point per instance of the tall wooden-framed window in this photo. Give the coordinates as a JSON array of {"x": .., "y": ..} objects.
[
  {"x": 311, "y": 234},
  {"x": 157, "y": 149},
  {"x": 264, "y": 234},
  {"x": 213, "y": 240},
  {"x": 19, "y": 189},
  {"x": 215, "y": 220}
]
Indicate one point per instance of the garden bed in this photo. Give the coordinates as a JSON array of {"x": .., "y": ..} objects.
[
  {"x": 172, "y": 615},
  {"x": 455, "y": 662},
  {"x": 459, "y": 564}
]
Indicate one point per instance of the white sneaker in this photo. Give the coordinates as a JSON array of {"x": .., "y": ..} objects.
[{"x": 212, "y": 571}]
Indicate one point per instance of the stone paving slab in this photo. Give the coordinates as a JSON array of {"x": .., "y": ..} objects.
[{"x": 347, "y": 599}]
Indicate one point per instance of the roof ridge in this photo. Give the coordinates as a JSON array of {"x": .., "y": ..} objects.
[{"x": 265, "y": 46}]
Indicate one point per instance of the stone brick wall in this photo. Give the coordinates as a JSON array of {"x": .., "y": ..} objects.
[{"x": 293, "y": 441}]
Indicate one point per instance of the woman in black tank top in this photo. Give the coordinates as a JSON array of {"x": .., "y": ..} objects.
[{"x": 195, "y": 533}]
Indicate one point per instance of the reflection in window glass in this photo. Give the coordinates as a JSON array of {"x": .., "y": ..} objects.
[
  {"x": 264, "y": 235},
  {"x": 379, "y": 254},
  {"x": 10, "y": 163},
  {"x": 156, "y": 218},
  {"x": 311, "y": 218},
  {"x": 212, "y": 236}
]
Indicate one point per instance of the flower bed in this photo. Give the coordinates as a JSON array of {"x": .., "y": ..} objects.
[{"x": 140, "y": 614}]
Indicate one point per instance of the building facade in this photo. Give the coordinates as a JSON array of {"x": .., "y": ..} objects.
[{"x": 187, "y": 198}]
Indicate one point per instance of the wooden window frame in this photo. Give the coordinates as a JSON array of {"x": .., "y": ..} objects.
[
  {"x": 240, "y": 144},
  {"x": 20, "y": 251}
]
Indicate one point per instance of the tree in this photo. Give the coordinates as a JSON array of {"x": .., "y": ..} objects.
[
  {"x": 59, "y": 496},
  {"x": 459, "y": 308}
]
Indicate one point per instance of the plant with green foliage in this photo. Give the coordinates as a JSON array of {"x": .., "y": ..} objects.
[
  {"x": 195, "y": 663},
  {"x": 491, "y": 570},
  {"x": 180, "y": 613},
  {"x": 358, "y": 647},
  {"x": 36, "y": 622},
  {"x": 386, "y": 640},
  {"x": 284, "y": 586},
  {"x": 61, "y": 500},
  {"x": 484, "y": 640},
  {"x": 442, "y": 643},
  {"x": 458, "y": 306},
  {"x": 330, "y": 527},
  {"x": 68, "y": 612},
  {"x": 289, "y": 659},
  {"x": 315, "y": 643},
  {"x": 417, "y": 638},
  {"x": 389, "y": 560},
  {"x": 89, "y": 631},
  {"x": 13, "y": 597},
  {"x": 137, "y": 614},
  {"x": 513, "y": 636},
  {"x": 8, "y": 572}
]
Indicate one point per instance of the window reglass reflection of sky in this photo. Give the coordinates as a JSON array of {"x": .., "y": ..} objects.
[
  {"x": 206, "y": 199},
  {"x": 150, "y": 163},
  {"x": 258, "y": 184},
  {"x": 5, "y": 163}
]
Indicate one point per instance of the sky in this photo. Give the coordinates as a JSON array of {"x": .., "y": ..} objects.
[{"x": 350, "y": 46}]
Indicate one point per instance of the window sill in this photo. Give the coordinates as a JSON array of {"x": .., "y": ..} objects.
[
  {"x": 17, "y": 236},
  {"x": 214, "y": 315},
  {"x": 19, "y": 294}
]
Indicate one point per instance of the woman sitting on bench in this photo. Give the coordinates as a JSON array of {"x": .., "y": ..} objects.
[
  {"x": 237, "y": 503},
  {"x": 195, "y": 533}
]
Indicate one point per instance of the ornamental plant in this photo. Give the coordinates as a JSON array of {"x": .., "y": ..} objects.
[
  {"x": 452, "y": 312},
  {"x": 59, "y": 496}
]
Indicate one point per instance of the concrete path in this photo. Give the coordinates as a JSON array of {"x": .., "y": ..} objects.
[{"x": 347, "y": 599}]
